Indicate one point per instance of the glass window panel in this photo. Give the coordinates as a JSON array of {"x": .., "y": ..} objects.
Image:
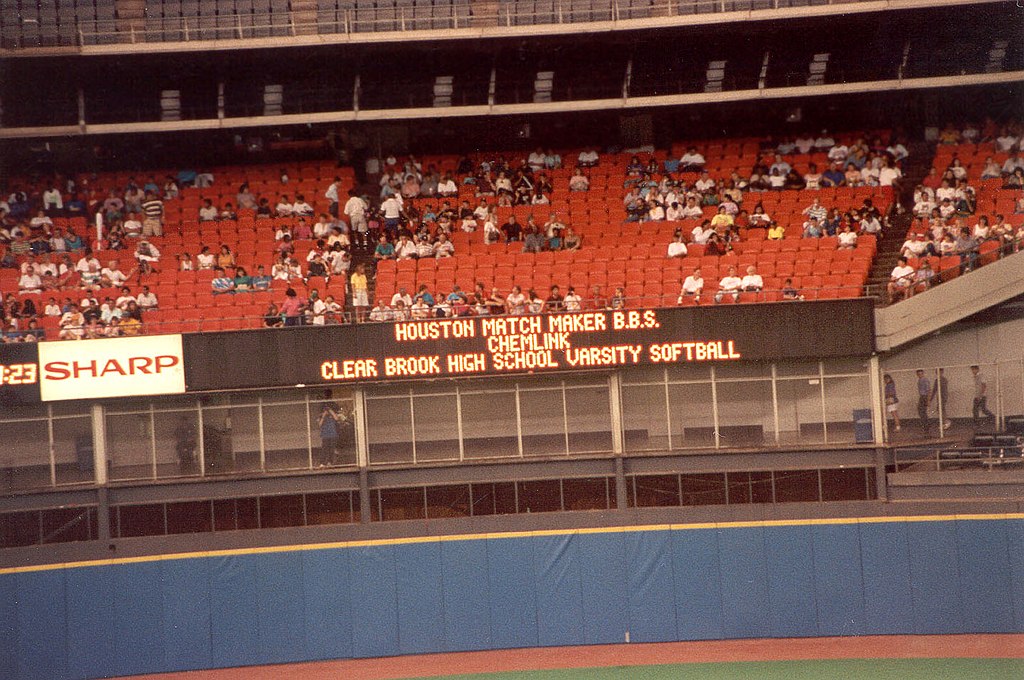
[
  {"x": 67, "y": 408},
  {"x": 437, "y": 427},
  {"x": 448, "y": 501},
  {"x": 745, "y": 414},
  {"x": 281, "y": 511},
  {"x": 797, "y": 369},
  {"x": 642, "y": 375},
  {"x": 334, "y": 507},
  {"x": 590, "y": 419},
  {"x": 62, "y": 525},
  {"x": 189, "y": 517},
  {"x": 959, "y": 396},
  {"x": 688, "y": 373},
  {"x": 235, "y": 513},
  {"x": 796, "y": 486},
  {"x": 231, "y": 439},
  {"x": 141, "y": 520},
  {"x": 285, "y": 436},
  {"x": 844, "y": 484},
  {"x": 345, "y": 446},
  {"x": 389, "y": 430},
  {"x": 130, "y": 446},
  {"x": 540, "y": 496},
  {"x": 703, "y": 489},
  {"x": 800, "y": 411},
  {"x": 657, "y": 490},
  {"x": 543, "y": 422},
  {"x": 644, "y": 418},
  {"x": 749, "y": 487},
  {"x": 693, "y": 418},
  {"x": 20, "y": 411},
  {"x": 745, "y": 369},
  {"x": 845, "y": 366},
  {"x": 400, "y": 504},
  {"x": 1008, "y": 390},
  {"x": 842, "y": 397},
  {"x": 72, "y": 450},
  {"x": 489, "y": 424},
  {"x": 586, "y": 494},
  {"x": 25, "y": 455},
  {"x": 19, "y": 529},
  {"x": 177, "y": 443},
  {"x": 497, "y": 498}
]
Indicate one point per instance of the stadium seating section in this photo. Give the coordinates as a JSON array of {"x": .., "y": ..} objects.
[{"x": 615, "y": 253}]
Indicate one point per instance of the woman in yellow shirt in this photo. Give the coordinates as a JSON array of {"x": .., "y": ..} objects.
[
  {"x": 360, "y": 293},
  {"x": 722, "y": 219},
  {"x": 776, "y": 231}
]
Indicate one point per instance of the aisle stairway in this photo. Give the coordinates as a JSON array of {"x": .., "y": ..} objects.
[{"x": 915, "y": 170}]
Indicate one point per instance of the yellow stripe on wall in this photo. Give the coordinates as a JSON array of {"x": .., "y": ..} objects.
[{"x": 511, "y": 534}]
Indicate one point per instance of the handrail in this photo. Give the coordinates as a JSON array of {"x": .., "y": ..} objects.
[
  {"x": 454, "y": 14},
  {"x": 938, "y": 458}
]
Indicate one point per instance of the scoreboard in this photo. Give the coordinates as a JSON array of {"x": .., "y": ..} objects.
[
  {"x": 533, "y": 344},
  {"x": 433, "y": 349}
]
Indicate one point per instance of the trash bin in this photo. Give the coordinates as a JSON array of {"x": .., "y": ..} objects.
[{"x": 863, "y": 431}]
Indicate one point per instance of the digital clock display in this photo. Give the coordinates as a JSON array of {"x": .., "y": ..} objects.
[{"x": 19, "y": 374}]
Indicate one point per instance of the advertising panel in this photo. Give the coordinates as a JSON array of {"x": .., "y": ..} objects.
[{"x": 115, "y": 367}]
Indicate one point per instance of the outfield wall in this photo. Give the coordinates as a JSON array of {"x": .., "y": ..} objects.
[{"x": 440, "y": 594}]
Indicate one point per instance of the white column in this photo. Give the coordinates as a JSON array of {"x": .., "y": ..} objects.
[
  {"x": 99, "y": 445},
  {"x": 615, "y": 402},
  {"x": 878, "y": 422},
  {"x": 359, "y": 422}
]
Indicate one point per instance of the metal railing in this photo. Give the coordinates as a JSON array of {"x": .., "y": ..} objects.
[
  {"x": 454, "y": 15},
  {"x": 959, "y": 457}
]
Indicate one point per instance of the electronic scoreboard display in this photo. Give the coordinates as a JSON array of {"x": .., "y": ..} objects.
[{"x": 543, "y": 343}]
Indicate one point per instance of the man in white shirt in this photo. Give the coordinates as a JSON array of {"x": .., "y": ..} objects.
[
  {"x": 588, "y": 158},
  {"x": 691, "y": 160},
  {"x": 915, "y": 246},
  {"x": 536, "y": 160},
  {"x": 85, "y": 262},
  {"x": 1012, "y": 163},
  {"x": 692, "y": 211},
  {"x": 804, "y": 143},
  {"x": 888, "y": 176},
  {"x": 447, "y": 187},
  {"x": 705, "y": 184},
  {"x": 146, "y": 300},
  {"x": 900, "y": 280},
  {"x": 30, "y": 281},
  {"x": 133, "y": 226},
  {"x": 381, "y": 312},
  {"x": 729, "y": 285},
  {"x": 824, "y": 141},
  {"x": 111, "y": 276},
  {"x": 692, "y": 285},
  {"x": 700, "y": 235},
  {"x": 300, "y": 208},
  {"x": 424, "y": 248},
  {"x": 405, "y": 249},
  {"x": 677, "y": 248},
  {"x": 52, "y": 200},
  {"x": 752, "y": 282},
  {"x": 839, "y": 152},
  {"x": 355, "y": 210},
  {"x": 331, "y": 194},
  {"x": 1006, "y": 141},
  {"x": 392, "y": 209},
  {"x": 443, "y": 247},
  {"x": 401, "y": 296}
]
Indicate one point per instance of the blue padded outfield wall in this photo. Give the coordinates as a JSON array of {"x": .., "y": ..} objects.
[{"x": 845, "y": 577}]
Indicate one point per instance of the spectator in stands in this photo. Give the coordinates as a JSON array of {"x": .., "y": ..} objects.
[
  {"x": 729, "y": 285},
  {"x": 1014, "y": 181},
  {"x": 385, "y": 249},
  {"x": 892, "y": 403},
  {"x": 588, "y": 158},
  {"x": 221, "y": 282},
  {"x": 283, "y": 207},
  {"x": 923, "y": 277},
  {"x": 869, "y": 224},
  {"x": 966, "y": 248},
  {"x": 812, "y": 178},
  {"x": 555, "y": 301},
  {"x": 776, "y": 180},
  {"x": 834, "y": 177},
  {"x": 789, "y": 292},
  {"x": 900, "y": 280},
  {"x": 292, "y": 308},
  {"x": 916, "y": 245},
  {"x": 579, "y": 181},
  {"x": 404, "y": 249},
  {"x": 752, "y": 281},
  {"x": 692, "y": 286},
  {"x": 691, "y": 161},
  {"x": 209, "y": 212},
  {"x": 677, "y": 248},
  {"x": 991, "y": 169},
  {"x": 148, "y": 256},
  {"x": 443, "y": 247},
  {"x": 847, "y": 238},
  {"x": 1013, "y": 163},
  {"x": 360, "y": 292},
  {"x": 812, "y": 229},
  {"x": 30, "y": 282}
]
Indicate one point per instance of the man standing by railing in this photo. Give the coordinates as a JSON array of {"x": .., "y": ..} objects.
[
  {"x": 924, "y": 392},
  {"x": 979, "y": 404}
]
